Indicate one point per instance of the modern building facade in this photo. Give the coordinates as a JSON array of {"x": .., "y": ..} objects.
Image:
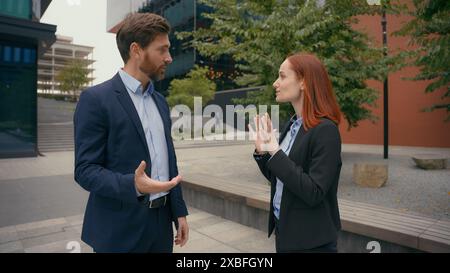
[
  {"x": 118, "y": 9},
  {"x": 57, "y": 57},
  {"x": 183, "y": 15},
  {"x": 22, "y": 40},
  {"x": 408, "y": 124}
]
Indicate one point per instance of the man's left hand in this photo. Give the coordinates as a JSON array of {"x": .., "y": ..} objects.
[{"x": 182, "y": 232}]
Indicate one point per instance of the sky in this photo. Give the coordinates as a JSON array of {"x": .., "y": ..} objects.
[{"x": 85, "y": 22}]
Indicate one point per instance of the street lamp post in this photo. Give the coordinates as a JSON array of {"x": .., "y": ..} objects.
[{"x": 385, "y": 84}]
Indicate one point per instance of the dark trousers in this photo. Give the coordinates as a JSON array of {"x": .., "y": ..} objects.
[
  {"x": 330, "y": 247},
  {"x": 158, "y": 236},
  {"x": 161, "y": 229}
]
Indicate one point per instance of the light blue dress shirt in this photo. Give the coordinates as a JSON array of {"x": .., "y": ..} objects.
[
  {"x": 285, "y": 146},
  {"x": 153, "y": 128}
]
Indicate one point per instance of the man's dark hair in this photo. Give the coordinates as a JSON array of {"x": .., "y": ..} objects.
[{"x": 141, "y": 28}]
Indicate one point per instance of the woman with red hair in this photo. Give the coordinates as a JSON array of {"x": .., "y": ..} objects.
[{"x": 304, "y": 166}]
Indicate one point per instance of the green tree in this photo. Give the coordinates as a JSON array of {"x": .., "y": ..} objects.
[
  {"x": 430, "y": 30},
  {"x": 196, "y": 84},
  {"x": 258, "y": 35},
  {"x": 73, "y": 78}
]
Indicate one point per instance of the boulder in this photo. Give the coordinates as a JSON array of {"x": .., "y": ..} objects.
[
  {"x": 373, "y": 175},
  {"x": 430, "y": 161}
]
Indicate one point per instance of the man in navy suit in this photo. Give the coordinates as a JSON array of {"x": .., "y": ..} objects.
[{"x": 124, "y": 154}]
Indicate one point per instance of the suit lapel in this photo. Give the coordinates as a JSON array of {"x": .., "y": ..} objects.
[
  {"x": 128, "y": 106},
  {"x": 286, "y": 128},
  {"x": 297, "y": 139}
]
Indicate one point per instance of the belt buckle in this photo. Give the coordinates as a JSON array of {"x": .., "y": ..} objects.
[{"x": 151, "y": 202}]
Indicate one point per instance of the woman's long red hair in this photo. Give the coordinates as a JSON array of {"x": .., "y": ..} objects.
[{"x": 319, "y": 99}]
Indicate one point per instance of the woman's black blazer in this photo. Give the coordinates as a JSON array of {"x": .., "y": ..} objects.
[{"x": 309, "y": 213}]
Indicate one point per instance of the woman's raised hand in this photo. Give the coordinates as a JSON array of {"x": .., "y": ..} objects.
[{"x": 264, "y": 135}]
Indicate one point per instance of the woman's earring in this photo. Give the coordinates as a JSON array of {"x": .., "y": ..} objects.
[{"x": 302, "y": 86}]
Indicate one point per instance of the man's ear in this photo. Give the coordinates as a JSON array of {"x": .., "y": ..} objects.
[{"x": 135, "y": 50}]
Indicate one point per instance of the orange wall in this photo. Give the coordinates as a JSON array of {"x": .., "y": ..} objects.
[{"x": 408, "y": 126}]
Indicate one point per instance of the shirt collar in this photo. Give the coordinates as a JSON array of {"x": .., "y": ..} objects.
[
  {"x": 133, "y": 84},
  {"x": 296, "y": 121}
]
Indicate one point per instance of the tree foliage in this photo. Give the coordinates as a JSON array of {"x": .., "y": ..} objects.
[
  {"x": 73, "y": 78},
  {"x": 259, "y": 35},
  {"x": 196, "y": 84},
  {"x": 430, "y": 30}
]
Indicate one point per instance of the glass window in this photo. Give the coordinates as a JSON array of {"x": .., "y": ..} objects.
[
  {"x": 7, "y": 54},
  {"x": 27, "y": 55},
  {"x": 18, "y": 119},
  {"x": 17, "y": 51},
  {"x": 33, "y": 55},
  {"x": 16, "y": 8}
]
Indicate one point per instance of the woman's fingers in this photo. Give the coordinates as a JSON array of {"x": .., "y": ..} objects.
[
  {"x": 264, "y": 128},
  {"x": 269, "y": 123},
  {"x": 252, "y": 132},
  {"x": 264, "y": 123}
]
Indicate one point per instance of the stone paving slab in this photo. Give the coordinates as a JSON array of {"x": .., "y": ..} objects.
[{"x": 208, "y": 233}]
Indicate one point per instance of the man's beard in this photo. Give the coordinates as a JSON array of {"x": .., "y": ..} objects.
[
  {"x": 158, "y": 74},
  {"x": 155, "y": 74}
]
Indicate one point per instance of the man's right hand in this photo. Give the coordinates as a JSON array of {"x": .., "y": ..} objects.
[{"x": 145, "y": 184}]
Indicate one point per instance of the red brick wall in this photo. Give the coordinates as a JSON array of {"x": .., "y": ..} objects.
[{"x": 408, "y": 126}]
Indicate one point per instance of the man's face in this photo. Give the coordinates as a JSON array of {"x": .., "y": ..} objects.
[{"x": 156, "y": 57}]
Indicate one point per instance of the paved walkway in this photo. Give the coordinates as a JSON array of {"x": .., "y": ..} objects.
[{"x": 208, "y": 233}]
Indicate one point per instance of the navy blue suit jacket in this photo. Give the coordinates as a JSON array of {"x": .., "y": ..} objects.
[{"x": 109, "y": 145}]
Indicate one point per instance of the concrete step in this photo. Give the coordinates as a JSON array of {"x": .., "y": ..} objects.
[
  {"x": 55, "y": 137},
  {"x": 56, "y": 141},
  {"x": 56, "y": 145}
]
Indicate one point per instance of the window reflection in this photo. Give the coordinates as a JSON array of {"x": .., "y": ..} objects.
[{"x": 18, "y": 76}]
